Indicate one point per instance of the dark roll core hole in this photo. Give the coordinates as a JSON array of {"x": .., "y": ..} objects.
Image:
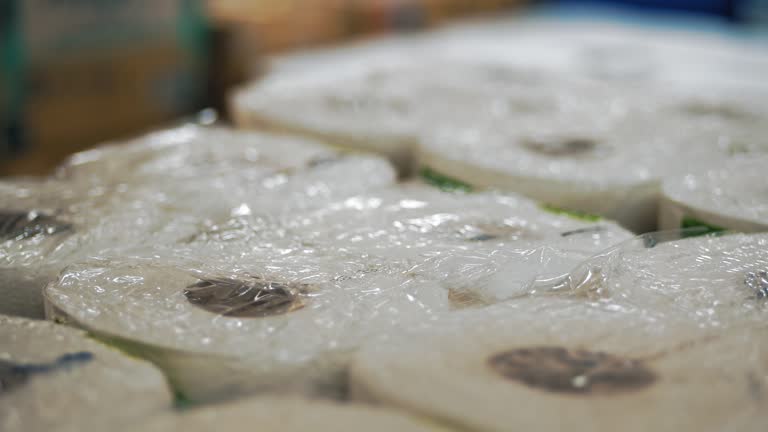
[
  {"x": 23, "y": 225},
  {"x": 561, "y": 370},
  {"x": 560, "y": 147},
  {"x": 245, "y": 298}
]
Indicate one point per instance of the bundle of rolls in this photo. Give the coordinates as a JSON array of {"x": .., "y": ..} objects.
[
  {"x": 585, "y": 117},
  {"x": 148, "y": 192}
]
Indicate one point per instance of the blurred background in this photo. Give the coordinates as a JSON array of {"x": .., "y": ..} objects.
[{"x": 78, "y": 72}]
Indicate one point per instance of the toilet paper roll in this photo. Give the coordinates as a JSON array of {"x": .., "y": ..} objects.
[
  {"x": 732, "y": 197},
  {"x": 287, "y": 415},
  {"x": 357, "y": 109},
  {"x": 552, "y": 364},
  {"x": 612, "y": 166},
  {"x": 456, "y": 239},
  {"x": 484, "y": 246},
  {"x": 56, "y": 378},
  {"x": 715, "y": 281},
  {"x": 189, "y": 152},
  {"x": 284, "y": 323}
]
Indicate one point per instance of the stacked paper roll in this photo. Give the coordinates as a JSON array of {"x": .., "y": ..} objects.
[
  {"x": 55, "y": 378},
  {"x": 191, "y": 152},
  {"x": 716, "y": 281},
  {"x": 287, "y": 415},
  {"x": 362, "y": 110},
  {"x": 552, "y": 364},
  {"x": 284, "y": 323},
  {"x": 38, "y": 216},
  {"x": 465, "y": 241},
  {"x": 606, "y": 165},
  {"x": 733, "y": 196}
]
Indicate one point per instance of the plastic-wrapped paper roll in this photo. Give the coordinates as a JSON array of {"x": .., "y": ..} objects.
[
  {"x": 284, "y": 323},
  {"x": 732, "y": 197},
  {"x": 483, "y": 247},
  {"x": 359, "y": 109},
  {"x": 717, "y": 281},
  {"x": 611, "y": 167},
  {"x": 54, "y": 378},
  {"x": 457, "y": 239},
  {"x": 191, "y": 152},
  {"x": 287, "y": 415},
  {"x": 36, "y": 216},
  {"x": 551, "y": 365},
  {"x": 173, "y": 168}
]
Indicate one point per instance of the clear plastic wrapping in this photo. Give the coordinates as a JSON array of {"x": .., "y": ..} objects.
[
  {"x": 716, "y": 281},
  {"x": 156, "y": 191},
  {"x": 57, "y": 379},
  {"x": 481, "y": 246},
  {"x": 287, "y": 415},
  {"x": 731, "y": 197},
  {"x": 657, "y": 333}
]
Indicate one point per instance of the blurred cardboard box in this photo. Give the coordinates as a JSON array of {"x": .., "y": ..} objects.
[{"x": 84, "y": 71}]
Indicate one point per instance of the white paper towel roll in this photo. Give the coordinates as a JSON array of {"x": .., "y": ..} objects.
[
  {"x": 552, "y": 365},
  {"x": 732, "y": 197},
  {"x": 283, "y": 323},
  {"x": 287, "y": 415},
  {"x": 54, "y": 378}
]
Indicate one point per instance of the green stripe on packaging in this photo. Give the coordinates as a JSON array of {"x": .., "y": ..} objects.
[
  {"x": 573, "y": 214},
  {"x": 442, "y": 181},
  {"x": 690, "y": 222}
]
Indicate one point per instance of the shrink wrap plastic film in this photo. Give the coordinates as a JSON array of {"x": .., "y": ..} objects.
[
  {"x": 156, "y": 191},
  {"x": 54, "y": 378},
  {"x": 287, "y": 415},
  {"x": 732, "y": 197},
  {"x": 482, "y": 247},
  {"x": 649, "y": 336},
  {"x": 279, "y": 303},
  {"x": 715, "y": 281}
]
